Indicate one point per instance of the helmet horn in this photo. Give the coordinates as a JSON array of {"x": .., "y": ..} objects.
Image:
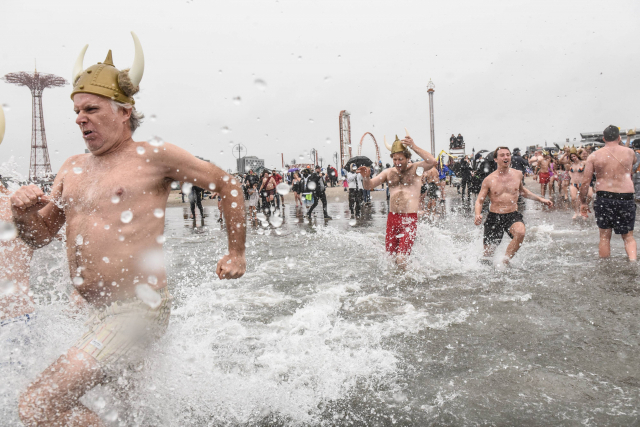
[
  {"x": 78, "y": 67},
  {"x": 407, "y": 132},
  {"x": 137, "y": 68},
  {"x": 386, "y": 144}
]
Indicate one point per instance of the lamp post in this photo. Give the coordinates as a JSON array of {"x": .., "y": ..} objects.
[
  {"x": 313, "y": 155},
  {"x": 431, "y": 88}
]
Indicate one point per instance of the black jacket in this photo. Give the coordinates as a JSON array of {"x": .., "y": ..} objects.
[
  {"x": 465, "y": 169},
  {"x": 518, "y": 163},
  {"x": 320, "y": 187}
]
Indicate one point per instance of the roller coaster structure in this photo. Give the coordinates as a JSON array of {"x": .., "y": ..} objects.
[{"x": 374, "y": 143}]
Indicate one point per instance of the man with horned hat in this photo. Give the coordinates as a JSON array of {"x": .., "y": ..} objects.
[
  {"x": 404, "y": 181},
  {"x": 112, "y": 201}
]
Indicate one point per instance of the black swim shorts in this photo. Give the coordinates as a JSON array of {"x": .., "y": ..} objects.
[
  {"x": 615, "y": 210},
  {"x": 497, "y": 224},
  {"x": 432, "y": 190}
]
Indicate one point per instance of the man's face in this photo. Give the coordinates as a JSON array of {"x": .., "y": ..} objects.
[
  {"x": 504, "y": 158},
  {"x": 101, "y": 127},
  {"x": 400, "y": 162}
]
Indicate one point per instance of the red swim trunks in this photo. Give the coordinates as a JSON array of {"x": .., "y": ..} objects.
[
  {"x": 543, "y": 177},
  {"x": 401, "y": 232}
]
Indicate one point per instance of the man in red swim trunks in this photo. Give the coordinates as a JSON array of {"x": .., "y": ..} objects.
[
  {"x": 543, "y": 172},
  {"x": 404, "y": 182}
]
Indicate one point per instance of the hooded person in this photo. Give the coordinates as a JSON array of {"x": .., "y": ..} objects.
[
  {"x": 112, "y": 201},
  {"x": 317, "y": 185},
  {"x": 404, "y": 181}
]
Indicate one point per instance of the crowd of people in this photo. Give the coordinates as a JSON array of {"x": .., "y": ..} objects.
[{"x": 112, "y": 217}]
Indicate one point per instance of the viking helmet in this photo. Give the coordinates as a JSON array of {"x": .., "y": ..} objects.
[
  {"x": 397, "y": 146},
  {"x": 573, "y": 150},
  {"x": 104, "y": 79},
  {"x": 1, "y": 124}
]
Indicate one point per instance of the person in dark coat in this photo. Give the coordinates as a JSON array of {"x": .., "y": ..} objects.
[
  {"x": 519, "y": 163},
  {"x": 318, "y": 188},
  {"x": 465, "y": 174}
]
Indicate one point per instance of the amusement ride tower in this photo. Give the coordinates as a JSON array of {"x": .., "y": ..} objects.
[
  {"x": 39, "y": 165},
  {"x": 345, "y": 137}
]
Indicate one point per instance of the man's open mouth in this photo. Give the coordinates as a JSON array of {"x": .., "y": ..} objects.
[{"x": 87, "y": 132}]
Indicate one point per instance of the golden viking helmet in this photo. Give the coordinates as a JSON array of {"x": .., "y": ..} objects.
[
  {"x": 104, "y": 79},
  {"x": 573, "y": 150},
  {"x": 1, "y": 124},
  {"x": 397, "y": 146}
]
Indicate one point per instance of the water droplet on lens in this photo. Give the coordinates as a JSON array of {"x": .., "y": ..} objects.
[
  {"x": 310, "y": 120},
  {"x": 153, "y": 280},
  {"x": 419, "y": 170},
  {"x": 78, "y": 280},
  {"x": 105, "y": 259},
  {"x": 283, "y": 188},
  {"x": 6, "y": 107},
  {"x": 260, "y": 84},
  {"x": 237, "y": 100},
  {"x": 115, "y": 199},
  {"x": 161, "y": 239},
  {"x": 276, "y": 221},
  {"x": 225, "y": 178},
  {"x": 186, "y": 187},
  {"x": 212, "y": 186},
  {"x": 140, "y": 150},
  {"x": 328, "y": 140},
  {"x": 225, "y": 130},
  {"x": 158, "y": 213},
  {"x": 8, "y": 231},
  {"x": 234, "y": 193},
  {"x": 79, "y": 240},
  {"x": 311, "y": 185},
  {"x": 234, "y": 205},
  {"x": 77, "y": 170},
  {"x": 352, "y": 222},
  {"x": 175, "y": 185},
  {"x": 156, "y": 141},
  {"x": 7, "y": 287},
  {"x": 153, "y": 117},
  {"x": 126, "y": 216}
]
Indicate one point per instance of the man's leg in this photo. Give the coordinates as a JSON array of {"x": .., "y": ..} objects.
[
  {"x": 193, "y": 208},
  {"x": 517, "y": 231},
  {"x": 323, "y": 197},
  {"x": 604, "y": 247},
  {"x": 630, "y": 245},
  {"x": 352, "y": 201},
  {"x": 313, "y": 206},
  {"x": 53, "y": 399},
  {"x": 200, "y": 208},
  {"x": 358, "y": 202}
]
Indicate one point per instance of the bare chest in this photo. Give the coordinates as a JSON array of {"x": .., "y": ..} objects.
[{"x": 407, "y": 178}]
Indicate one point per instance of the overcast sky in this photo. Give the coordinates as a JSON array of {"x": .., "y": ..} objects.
[{"x": 512, "y": 72}]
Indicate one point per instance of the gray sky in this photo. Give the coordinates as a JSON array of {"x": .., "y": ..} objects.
[{"x": 512, "y": 72}]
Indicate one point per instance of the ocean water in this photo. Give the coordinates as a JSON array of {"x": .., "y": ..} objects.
[{"x": 323, "y": 330}]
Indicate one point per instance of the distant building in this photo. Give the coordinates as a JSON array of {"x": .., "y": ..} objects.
[{"x": 249, "y": 162}]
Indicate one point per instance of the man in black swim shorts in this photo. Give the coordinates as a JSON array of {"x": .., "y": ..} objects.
[
  {"x": 614, "y": 206},
  {"x": 503, "y": 188}
]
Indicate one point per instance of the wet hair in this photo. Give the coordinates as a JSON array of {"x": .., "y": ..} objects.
[
  {"x": 405, "y": 153},
  {"x": 495, "y": 153},
  {"x": 135, "y": 120}
]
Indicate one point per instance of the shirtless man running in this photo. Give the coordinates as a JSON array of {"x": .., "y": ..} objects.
[
  {"x": 503, "y": 188},
  {"x": 542, "y": 171},
  {"x": 404, "y": 183},
  {"x": 614, "y": 205},
  {"x": 113, "y": 201}
]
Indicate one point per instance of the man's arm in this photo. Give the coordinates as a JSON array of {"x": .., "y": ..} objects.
[
  {"x": 371, "y": 183},
  {"x": 428, "y": 161},
  {"x": 182, "y": 166},
  {"x": 484, "y": 190},
  {"x": 586, "y": 181},
  {"x": 529, "y": 195},
  {"x": 37, "y": 216}
]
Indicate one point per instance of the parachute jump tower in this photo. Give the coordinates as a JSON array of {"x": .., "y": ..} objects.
[{"x": 39, "y": 165}]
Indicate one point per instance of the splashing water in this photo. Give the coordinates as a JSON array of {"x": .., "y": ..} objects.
[
  {"x": 149, "y": 296},
  {"x": 283, "y": 188},
  {"x": 419, "y": 170}
]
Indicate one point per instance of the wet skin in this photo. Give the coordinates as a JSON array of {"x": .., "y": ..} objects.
[
  {"x": 503, "y": 188},
  {"x": 404, "y": 183},
  {"x": 16, "y": 256},
  {"x": 108, "y": 257}
]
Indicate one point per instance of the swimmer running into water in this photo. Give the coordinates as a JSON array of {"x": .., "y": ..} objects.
[
  {"x": 503, "y": 188},
  {"x": 404, "y": 182}
]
